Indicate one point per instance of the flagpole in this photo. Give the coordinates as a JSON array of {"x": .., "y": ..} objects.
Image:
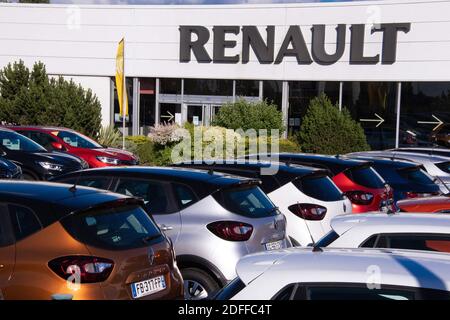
[{"x": 124, "y": 100}]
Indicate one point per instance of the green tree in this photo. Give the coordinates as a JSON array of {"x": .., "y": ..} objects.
[
  {"x": 327, "y": 130},
  {"x": 33, "y": 98},
  {"x": 249, "y": 115}
]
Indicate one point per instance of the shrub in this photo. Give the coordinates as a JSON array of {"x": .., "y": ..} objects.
[
  {"x": 327, "y": 130},
  {"x": 249, "y": 115},
  {"x": 33, "y": 98},
  {"x": 109, "y": 136}
]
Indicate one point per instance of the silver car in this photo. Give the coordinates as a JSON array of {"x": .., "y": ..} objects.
[{"x": 213, "y": 219}]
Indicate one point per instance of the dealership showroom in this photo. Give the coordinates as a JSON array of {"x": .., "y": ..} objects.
[
  {"x": 393, "y": 79},
  {"x": 103, "y": 202}
]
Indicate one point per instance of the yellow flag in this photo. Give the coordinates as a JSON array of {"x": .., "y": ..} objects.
[{"x": 120, "y": 78}]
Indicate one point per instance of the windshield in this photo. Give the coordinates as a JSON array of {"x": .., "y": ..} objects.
[
  {"x": 417, "y": 175},
  {"x": 444, "y": 166},
  {"x": 319, "y": 187},
  {"x": 17, "y": 142},
  {"x": 365, "y": 176},
  {"x": 76, "y": 140},
  {"x": 248, "y": 201}
]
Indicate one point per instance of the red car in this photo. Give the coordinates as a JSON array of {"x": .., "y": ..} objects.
[
  {"x": 440, "y": 204},
  {"x": 75, "y": 143}
]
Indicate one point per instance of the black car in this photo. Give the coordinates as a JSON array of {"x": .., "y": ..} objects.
[
  {"x": 35, "y": 161},
  {"x": 408, "y": 179},
  {"x": 9, "y": 170}
]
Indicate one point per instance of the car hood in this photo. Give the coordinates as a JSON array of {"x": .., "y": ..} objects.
[
  {"x": 57, "y": 157},
  {"x": 113, "y": 152}
]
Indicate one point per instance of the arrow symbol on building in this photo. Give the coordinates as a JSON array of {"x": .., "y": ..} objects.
[
  {"x": 169, "y": 115},
  {"x": 380, "y": 120},
  {"x": 438, "y": 123}
]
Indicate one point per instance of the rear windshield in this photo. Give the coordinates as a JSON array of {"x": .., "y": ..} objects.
[
  {"x": 416, "y": 174},
  {"x": 366, "y": 177},
  {"x": 444, "y": 166},
  {"x": 319, "y": 187},
  {"x": 124, "y": 227},
  {"x": 327, "y": 239},
  {"x": 249, "y": 201},
  {"x": 230, "y": 290}
]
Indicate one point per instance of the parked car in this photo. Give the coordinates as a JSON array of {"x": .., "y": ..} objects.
[
  {"x": 75, "y": 143},
  {"x": 341, "y": 274},
  {"x": 439, "y": 204},
  {"x": 436, "y": 166},
  {"x": 429, "y": 151},
  {"x": 365, "y": 188},
  {"x": 9, "y": 170},
  {"x": 306, "y": 196},
  {"x": 429, "y": 232},
  {"x": 441, "y": 136},
  {"x": 407, "y": 179},
  {"x": 213, "y": 219},
  {"x": 70, "y": 242},
  {"x": 35, "y": 161}
]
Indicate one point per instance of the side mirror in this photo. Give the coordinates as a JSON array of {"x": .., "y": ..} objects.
[{"x": 57, "y": 146}]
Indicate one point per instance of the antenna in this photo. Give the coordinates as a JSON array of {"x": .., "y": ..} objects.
[
  {"x": 313, "y": 244},
  {"x": 73, "y": 188},
  {"x": 442, "y": 182}
]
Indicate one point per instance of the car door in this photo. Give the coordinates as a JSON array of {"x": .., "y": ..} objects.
[
  {"x": 159, "y": 200},
  {"x": 7, "y": 251}
]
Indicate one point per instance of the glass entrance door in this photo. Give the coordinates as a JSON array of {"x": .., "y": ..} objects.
[{"x": 201, "y": 114}]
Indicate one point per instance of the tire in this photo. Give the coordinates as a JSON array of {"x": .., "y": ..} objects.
[{"x": 198, "y": 284}]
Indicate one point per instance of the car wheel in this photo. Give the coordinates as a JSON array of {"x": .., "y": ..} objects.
[{"x": 198, "y": 284}]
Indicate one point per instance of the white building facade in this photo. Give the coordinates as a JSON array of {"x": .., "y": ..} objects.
[{"x": 388, "y": 62}]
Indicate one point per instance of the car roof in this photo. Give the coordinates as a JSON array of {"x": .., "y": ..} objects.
[
  {"x": 306, "y": 265},
  {"x": 383, "y": 160},
  {"x": 407, "y": 156},
  {"x": 378, "y": 222},
  {"x": 335, "y": 164},
  {"x": 54, "y": 200},
  {"x": 44, "y": 128},
  {"x": 203, "y": 181}
]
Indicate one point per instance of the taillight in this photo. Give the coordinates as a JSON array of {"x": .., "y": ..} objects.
[
  {"x": 308, "y": 211},
  {"x": 231, "y": 230},
  {"x": 412, "y": 195},
  {"x": 86, "y": 268},
  {"x": 359, "y": 197}
]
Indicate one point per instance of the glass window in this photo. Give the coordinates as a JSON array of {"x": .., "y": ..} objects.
[
  {"x": 424, "y": 106},
  {"x": 416, "y": 174},
  {"x": 24, "y": 221},
  {"x": 285, "y": 293},
  {"x": 41, "y": 138},
  {"x": 211, "y": 87},
  {"x": 273, "y": 92},
  {"x": 425, "y": 242},
  {"x": 170, "y": 112},
  {"x": 327, "y": 239},
  {"x": 230, "y": 290},
  {"x": 153, "y": 193},
  {"x": 247, "y": 88},
  {"x": 358, "y": 293},
  {"x": 319, "y": 187},
  {"x": 93, "y": 182},
  {"x": 125, "y": 227},
  {"x": 368, "y": 102},
  {"x": 170, "y": 86},
  {"x": 365, "y": 176},
  {"x": 117, "y": 115},
  {"x": 6, "y": 237},
  {"x": 17, "y": 142},
  {"x": 185, "y": 196},
  {"x": 146, "y": 103},
  {"x": 444, "y": 166},
  {"x": 76, "y": 139},
  {"x": 370, "y": 243},
  {"x": 247, "y": 201}
]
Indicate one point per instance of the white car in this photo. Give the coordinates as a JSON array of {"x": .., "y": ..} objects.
[
  {"x": 436, "y": 166},
  {"x": 340, "y": 274},
  {"x": 306, "y": 196},
  {"x": 413, "y": 231}
]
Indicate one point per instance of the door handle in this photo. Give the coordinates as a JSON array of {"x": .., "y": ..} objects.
[{"x": 166, "y": 228}]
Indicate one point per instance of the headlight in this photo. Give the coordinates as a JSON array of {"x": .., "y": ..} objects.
[
  {"x": 51, "y": 166},
  {"x": 108, "y": 160}
]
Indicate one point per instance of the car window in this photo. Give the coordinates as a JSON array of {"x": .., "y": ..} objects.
[
  {"x": 248, "y": 201},
  {"x": 286, "y": 293},
  {"x": 416, "y": 175},
  {"x": 230, "y": 290},
  {"x": 371, "y": 242},
  {"x": 357, "y": 293},
  {"x": 184, "y": 195},
  {"x": 365, "y": 176},
  {"x": 76, "y": 140},
  {"x": 17, "y": 142},
  {"x": 154, "y": 194},
  {"x": 327, "y": 239},
  {"x": 93, "y": 182},
  {"x": 116, "y": 228},
  {"x": 424, "y": 242},
  {"x": 319, "y": 187},
  {"x": 6, "y": 237},
  {"x": 24, "y": 221},
  {"x": 41, "y": 138}
]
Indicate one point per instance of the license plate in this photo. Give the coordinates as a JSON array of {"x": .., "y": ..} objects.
[
  {"x": 274, "y": 245},
  {"x": 147, "y": 287}
]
